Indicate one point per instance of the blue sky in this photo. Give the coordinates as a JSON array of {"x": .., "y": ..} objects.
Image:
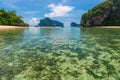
[{"x": 66, "y": 11}]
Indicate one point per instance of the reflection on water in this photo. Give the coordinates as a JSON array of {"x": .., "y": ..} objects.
[{"x": 60, "y": 54}]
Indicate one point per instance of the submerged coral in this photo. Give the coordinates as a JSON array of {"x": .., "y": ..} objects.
[{"x": 91, "y": 56}]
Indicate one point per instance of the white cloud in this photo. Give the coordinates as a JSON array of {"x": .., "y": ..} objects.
[
  {"x": 59, "y": 10},
  {"x": 33, "y": 21}
]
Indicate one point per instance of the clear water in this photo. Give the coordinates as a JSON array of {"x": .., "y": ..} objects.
[{"x": 60, "y": 54}]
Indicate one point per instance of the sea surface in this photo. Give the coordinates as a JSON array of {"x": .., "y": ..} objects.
[{"x": 60, "y": 54}]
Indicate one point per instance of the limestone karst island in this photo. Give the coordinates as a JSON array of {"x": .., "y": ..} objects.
[
  {"x": 59, "y": 39},
  {"x": 104, "y": 14}
]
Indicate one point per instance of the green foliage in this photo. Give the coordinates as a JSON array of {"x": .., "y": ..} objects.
[
  {"x": 112, "y": 20},
  {"x": 10, "y": 18},
  {"x": 51, "y": 23},
  {"x": 109, "y": 8},
  {"x": 98, "y": 10}
]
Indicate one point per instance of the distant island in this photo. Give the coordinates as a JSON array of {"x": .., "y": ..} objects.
[
  {"x": 11, "y": 18},
  {"x": 104, "y": 14},
  {"x": 47, "y": 22},
  {"x": 73, "y": 24}
]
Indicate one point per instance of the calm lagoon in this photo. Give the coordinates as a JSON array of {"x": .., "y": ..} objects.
[{"x": 60, "y": 54}]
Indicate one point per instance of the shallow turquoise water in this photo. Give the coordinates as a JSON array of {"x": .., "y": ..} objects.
[{"x": 60, "y": 54}]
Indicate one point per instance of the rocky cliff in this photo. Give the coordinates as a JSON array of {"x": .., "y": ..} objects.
[
  {"x": 73, "y": 24},
  {"x": 47, "y": 22},
  {"x": 104, "y": 14}
]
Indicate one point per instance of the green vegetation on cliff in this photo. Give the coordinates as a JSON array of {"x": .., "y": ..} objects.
[
  {"x": 10, "y": 18},
  {"x": 104, "y": 14},
  {"x": 47, "y": 22}
]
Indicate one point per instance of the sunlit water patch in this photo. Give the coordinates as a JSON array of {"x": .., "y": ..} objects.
[{"x": 60, "y": 54}]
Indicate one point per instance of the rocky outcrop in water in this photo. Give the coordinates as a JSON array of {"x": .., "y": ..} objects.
[
  {"x": 104, "y": 14},
  {"x": 47, "y": 22},
  {"x": 73, "y": 24}
]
